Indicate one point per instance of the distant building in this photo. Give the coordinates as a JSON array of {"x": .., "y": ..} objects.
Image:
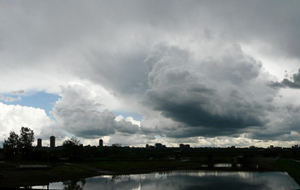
[
  {"x": 39, "y": 143},
  {"x": 100, "y": 143},
  {"x": 52, "y": 142},
  {"x": 159, "y": 145},
  {"x": 184, "y": 146},
  {"x": 149, "y": 146}
]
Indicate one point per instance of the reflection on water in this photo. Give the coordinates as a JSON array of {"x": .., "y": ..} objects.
[
  {"x": 223, "y": 165},
  {"x": 74, "y": 184},
  {"x": 176, "y": 180}
]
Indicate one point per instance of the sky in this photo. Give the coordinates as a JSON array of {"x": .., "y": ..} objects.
[{"x": 204, "y": 73}]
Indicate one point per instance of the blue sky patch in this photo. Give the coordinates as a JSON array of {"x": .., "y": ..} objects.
[{"x": 39, "y": 99}]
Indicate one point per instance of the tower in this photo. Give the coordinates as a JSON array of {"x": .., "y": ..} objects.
[
  {"x": 39, "y": 143},
  {"x": 100, "y": 143},
  {"x": 52, "y": 142}
]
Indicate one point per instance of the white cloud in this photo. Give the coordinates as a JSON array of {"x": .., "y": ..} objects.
[
  {"x": 129, "y": 119},
  {"x": 12, "y": 118},
  {"x": 9, "y": 98}
]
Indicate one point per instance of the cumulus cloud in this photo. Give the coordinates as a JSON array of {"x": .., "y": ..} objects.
[
  {"x": 12, "y": 118},
  {"x": 214, "y": 95},
  {"x": 79, "y": 112},
  {"x": 130, "y": 119}
]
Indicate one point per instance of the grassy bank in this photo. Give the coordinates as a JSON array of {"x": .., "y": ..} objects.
[
  {"x": 15, "y": 177},
  {"x": 292, "y": 167}
]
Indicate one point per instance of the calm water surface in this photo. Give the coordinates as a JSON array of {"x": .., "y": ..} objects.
[{"x": 184, "y": 180}]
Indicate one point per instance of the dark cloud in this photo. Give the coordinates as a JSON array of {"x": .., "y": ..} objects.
[
  {"x": 286, "y": 83},
  {"x": 208, "y": 95},
  {"x": 197, "y": 112}
]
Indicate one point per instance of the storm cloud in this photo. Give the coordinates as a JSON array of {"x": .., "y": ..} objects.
[{"x": 219, "y": 95}]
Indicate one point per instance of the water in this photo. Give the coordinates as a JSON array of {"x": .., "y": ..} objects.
[{"x": 183, "y": 180}]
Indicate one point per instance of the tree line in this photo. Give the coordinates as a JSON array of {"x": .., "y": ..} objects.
[
  {"x": 19, "y": 146},
  {"x": 15, "y": 141}
]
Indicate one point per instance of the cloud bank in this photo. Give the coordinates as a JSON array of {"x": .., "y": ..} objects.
[
  {"x": 78, "y": 112},
  {"x": 188, "y": 69}
]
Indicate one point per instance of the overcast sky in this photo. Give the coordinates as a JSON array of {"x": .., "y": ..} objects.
[{"x": 207, "y": 73}]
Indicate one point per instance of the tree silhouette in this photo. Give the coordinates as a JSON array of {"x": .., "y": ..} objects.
[
  {"x": 15, "y": 144},
  {"x": 72, "y": 148},
  {"x": 12, "y": 141},
  {"x": 71, "y": 142},
  {"x": 26, "y": 138}
]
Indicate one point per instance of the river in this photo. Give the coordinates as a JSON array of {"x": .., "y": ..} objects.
[{"x": 183, "y": 180}]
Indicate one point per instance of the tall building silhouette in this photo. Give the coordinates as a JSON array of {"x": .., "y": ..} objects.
[
  {"x": 100, "y": 143},
  {"x": 52, "y": 142},
  {"x": 39, "y": 143}
]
